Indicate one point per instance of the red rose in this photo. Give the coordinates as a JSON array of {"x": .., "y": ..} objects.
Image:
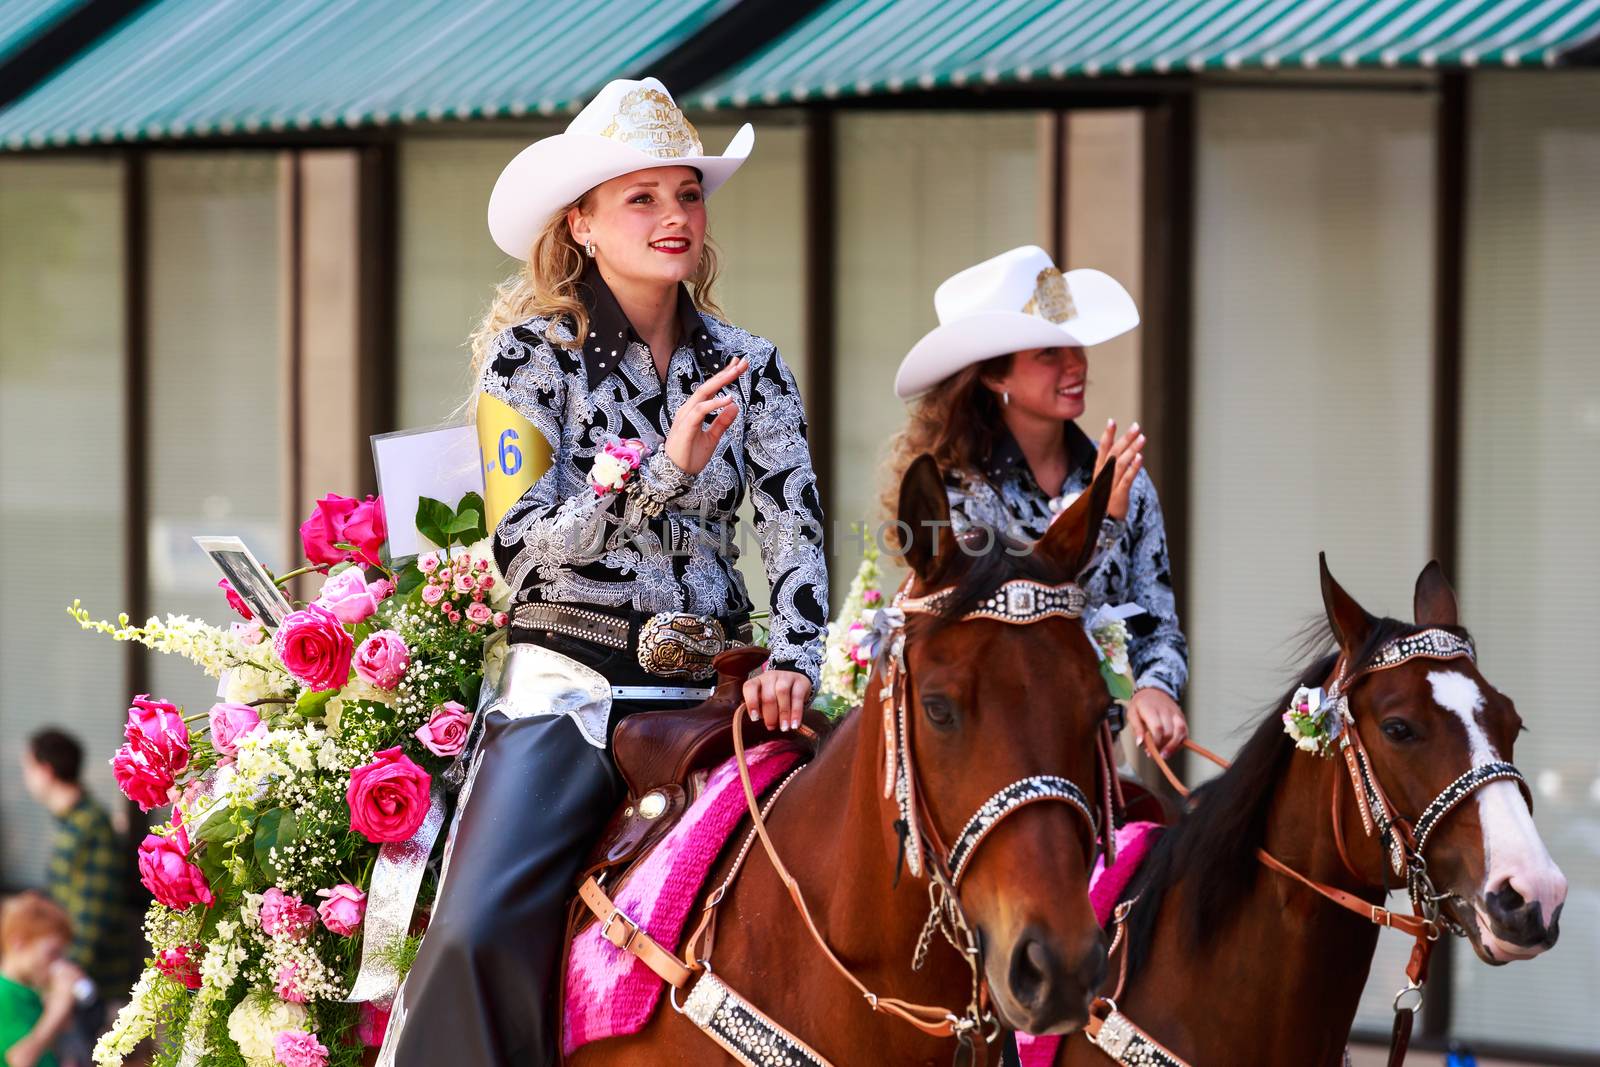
[
  {"x": 160, "y": 726},
  {"x": 315, "y": 647},
  {"x": 388, "y": 797},
  {"x": 342, "y": 519},
  {"x": 142, "y": 774},
  {"x": 165, "y": 870}
]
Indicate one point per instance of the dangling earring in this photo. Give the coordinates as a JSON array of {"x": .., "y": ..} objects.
[
  {"x": 589, "y": 248},
  {"x": 1005, "y": 399}
]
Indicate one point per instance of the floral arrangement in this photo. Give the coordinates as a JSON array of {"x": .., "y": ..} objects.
[
  {"x": 1314, "y": 722},
  {"x": 325, "y": 747},
  {"x": 1107, "y": 628},
  {"x": 613, "y": 467},
  {"x": 850, "y": 647}
]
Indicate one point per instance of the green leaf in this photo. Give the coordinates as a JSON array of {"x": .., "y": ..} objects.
[
  {"x": 433, "y": 516},
  {"x": 470, "y": 687},
  {"x": 1121, "y": 685},
  {"x": 312, "y": 705},
  {"x": 275, "y": 829},
  {"x": 472, "y": 502},
  {"x": 469, "y": 521},
  {"x": 217, "y": 824},
  {"x": 409, "y": 580}
]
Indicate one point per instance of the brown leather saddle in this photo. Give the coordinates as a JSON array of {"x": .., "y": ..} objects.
[{"x": 666, "y": 757}]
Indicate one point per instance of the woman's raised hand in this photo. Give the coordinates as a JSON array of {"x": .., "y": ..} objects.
[
  {"x": 1127, "y": 453},
  {"x": 691, "y": 442}
]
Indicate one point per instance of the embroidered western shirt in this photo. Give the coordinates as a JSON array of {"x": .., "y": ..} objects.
[
  {"x": 1131, "y": 567},
  {"x": 667, "y": 543}
]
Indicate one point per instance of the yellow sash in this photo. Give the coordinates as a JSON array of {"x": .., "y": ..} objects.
[{"x": 514, "y": 455}]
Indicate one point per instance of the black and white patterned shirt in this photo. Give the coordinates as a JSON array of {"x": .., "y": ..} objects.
[
  {"x": 561, "y": 542},
  {"x": 1131, "y": 568}
]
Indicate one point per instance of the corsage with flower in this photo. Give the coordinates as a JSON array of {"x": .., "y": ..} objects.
[
  {"x": 1107, "y": 627},
  {"x": 293, "y": 798},
  {"x": 851, "y": 644},
  {"x": 615, "y": 464},
  {"x": 1314, "y": 721}
]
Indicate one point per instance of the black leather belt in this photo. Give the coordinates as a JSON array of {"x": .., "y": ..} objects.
[{"x": 671, "y": 644}]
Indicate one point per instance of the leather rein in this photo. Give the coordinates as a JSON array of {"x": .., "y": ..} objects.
[{"x": 1404, "y": 842}]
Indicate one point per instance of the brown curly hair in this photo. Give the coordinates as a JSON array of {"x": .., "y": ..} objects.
[{"x": 956, "y": 422}]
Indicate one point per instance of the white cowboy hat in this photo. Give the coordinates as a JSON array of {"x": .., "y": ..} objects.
[
  {"x": 628, "y": 126},
  {"x": 1015, "y": 301}
]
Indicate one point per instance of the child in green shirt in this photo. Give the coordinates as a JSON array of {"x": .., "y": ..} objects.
[{"x": 36, "y": 980}]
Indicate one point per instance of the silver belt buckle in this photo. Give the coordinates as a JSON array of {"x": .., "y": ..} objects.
[{"x": 675, "y": 644}]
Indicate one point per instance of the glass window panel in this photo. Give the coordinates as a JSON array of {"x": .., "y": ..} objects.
[
  {"x": 216, "y": 446},
  {"x": 921, "y": 196},
  {"x": 62, "y": 523},
  {"x": 1530, "y": 504},
  {"x": 1312, "y": 388}
]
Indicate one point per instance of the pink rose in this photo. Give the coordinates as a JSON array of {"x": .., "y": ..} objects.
[
  {"x": 165, "y": 870},
  {"x": 297, "y": 1048},
  {"x": 381, "y": 590},
  {"x": 342, "y": 909},
  {"x": 371, "y": 1022},
  {"x": 142, "y": 774},
  {"x": 235, "y": 601},
  {"x": 348, "y": 596},
  {"x": 464, "y": 583},
  {"x": 162, "y": 727},
  {"x": 181, "y": 964},
  {"x": 382, "y": 659},
  {"x": 367, "y": 530},
  {"x": 479, "y": 613},
  {"x": 388, "y": 797},
  {"x": 501, "y": 618},
  {"x": 250, "y": 633},
  {"x": 432, "y": 594},
  {"x": 428, "y": 563},
  {"x": 286, "y": 986},
  {"x": 283, "y": 915},
  {"x": 871, "y": 596},
  {"x": 445, "y": 734},
  {"x": 229, "y": 722},
  {"x": 325, "y": 528},
  {"x": 315, "y": 648}
]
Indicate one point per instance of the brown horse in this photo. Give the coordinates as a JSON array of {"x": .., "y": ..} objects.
[
  {"x": 989, "y": 704},
  {"x": 1231, "y": 962}
]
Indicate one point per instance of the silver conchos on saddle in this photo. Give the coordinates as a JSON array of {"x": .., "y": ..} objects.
[{"x": 674, "y": 644}]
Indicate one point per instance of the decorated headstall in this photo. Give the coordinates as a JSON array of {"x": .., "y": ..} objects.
[{"x": 1320, "y": 721}]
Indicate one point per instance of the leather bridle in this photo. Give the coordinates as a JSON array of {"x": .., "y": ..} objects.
[{"x": 1404, "y": 841}]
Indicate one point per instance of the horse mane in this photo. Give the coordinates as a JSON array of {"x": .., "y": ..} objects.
[{"x": 1213, "y": 847}]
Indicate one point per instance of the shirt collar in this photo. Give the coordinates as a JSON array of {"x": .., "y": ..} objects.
[
  {"x": 1006, "y": 456},
  {"x": 610, "y": 332}
]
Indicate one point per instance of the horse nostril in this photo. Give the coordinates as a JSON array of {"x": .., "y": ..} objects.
[
  {"x": 1504, "y": 901},
  {"x": 1032, "y": 965},
  {"x": 1518, "y": 918}
]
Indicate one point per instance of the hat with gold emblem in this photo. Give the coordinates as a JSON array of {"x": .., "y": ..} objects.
[
  {"x": 1015, "y": 301},
  {"x": 629, "y": 126}
]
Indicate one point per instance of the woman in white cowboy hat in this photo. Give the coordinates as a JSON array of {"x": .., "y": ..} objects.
[
  {"x": 636, "y": 420},
  {"x": 997, "y": 385}
]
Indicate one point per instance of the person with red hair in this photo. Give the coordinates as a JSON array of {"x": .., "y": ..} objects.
[{"x": 36, "y": 979}]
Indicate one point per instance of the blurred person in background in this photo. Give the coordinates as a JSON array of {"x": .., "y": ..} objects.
[
  {"x": 36, "y": 980},
  {"x": 89, "y": 877}
]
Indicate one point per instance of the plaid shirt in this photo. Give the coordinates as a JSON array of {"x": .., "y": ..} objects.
[{"x": 88, "y": 877}]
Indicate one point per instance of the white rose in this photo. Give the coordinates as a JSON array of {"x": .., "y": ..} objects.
[
  {"x": 257, "y": 1021},
  {"x": 608, "y": 471}
]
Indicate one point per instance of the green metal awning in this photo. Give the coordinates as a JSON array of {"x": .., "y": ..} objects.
[
  {"x": 865, "y": 47},
  {"x": 193, "y": 68},
  {"x": 22, "y": 21}
]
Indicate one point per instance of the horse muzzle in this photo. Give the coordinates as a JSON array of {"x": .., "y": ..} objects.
[
  {"x": 1039, "y": 989},
  {"x": 1510, "y": 926}
]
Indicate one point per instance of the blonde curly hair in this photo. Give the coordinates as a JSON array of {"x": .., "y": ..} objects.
[{"x": 547, "y": 286}]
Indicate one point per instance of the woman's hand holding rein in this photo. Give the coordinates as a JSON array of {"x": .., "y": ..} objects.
[{"x": 691, "y": 442}]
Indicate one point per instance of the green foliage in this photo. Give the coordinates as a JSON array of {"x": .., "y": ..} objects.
[
  {"x": 275, "y": 829},
  {"x": 444, "y": 526}
]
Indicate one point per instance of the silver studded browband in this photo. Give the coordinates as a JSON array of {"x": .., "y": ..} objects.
[
  {"x": 1019, "y": 602},
  {"x": 1432, "y": 643}
]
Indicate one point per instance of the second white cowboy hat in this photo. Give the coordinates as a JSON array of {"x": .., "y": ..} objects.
[
  {"x": 1015, "y": 301},
  {"x": 628, "y": 126}
]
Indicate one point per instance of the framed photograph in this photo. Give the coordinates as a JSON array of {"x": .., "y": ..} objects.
[
  {"x": 248, "y": 577},
  {"x": 440, "y": 462}
]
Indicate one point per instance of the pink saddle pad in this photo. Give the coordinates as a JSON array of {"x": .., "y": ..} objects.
[
  {"x": 1134, "y": 841},
  {"x": 610, "y": 993}
]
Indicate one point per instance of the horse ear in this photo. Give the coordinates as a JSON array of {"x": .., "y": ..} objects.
[
  {"x": 1349, "y": 621},
  {"x": 1074, "y": 534},
  {"x": 1434, "y": 603},
  {"x": 925, "y": 532}
]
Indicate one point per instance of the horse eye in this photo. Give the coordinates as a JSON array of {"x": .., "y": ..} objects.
[
  {"x": 939, "y": 711},
  {"x": 1398, "y": 730}
]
